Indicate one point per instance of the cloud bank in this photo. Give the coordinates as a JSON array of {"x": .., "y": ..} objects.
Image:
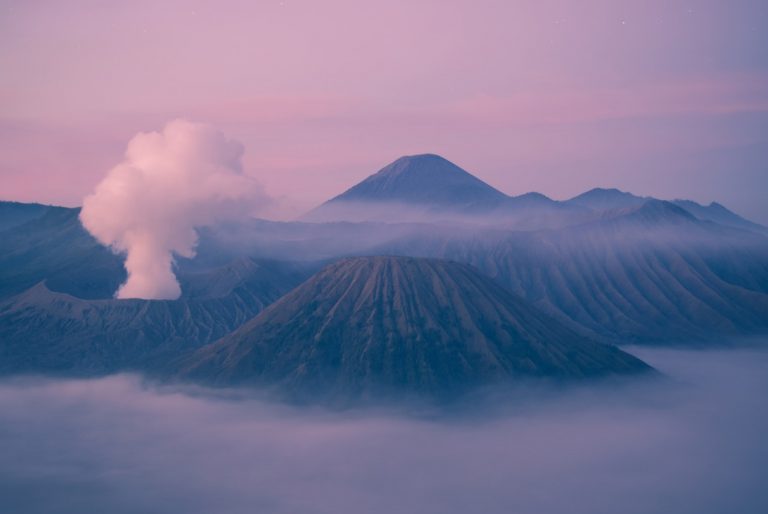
[
  {"x": 691, "y": 445},
  {"x": 186, "y": 176}
]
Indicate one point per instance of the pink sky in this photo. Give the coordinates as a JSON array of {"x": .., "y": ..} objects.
[{"x": 668, "y": 98}]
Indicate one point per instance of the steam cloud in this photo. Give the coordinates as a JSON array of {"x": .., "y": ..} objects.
[{"x": 189, "y": 175}]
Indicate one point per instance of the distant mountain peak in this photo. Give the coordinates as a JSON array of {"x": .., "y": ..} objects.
[
  {"x": 407, "y": 162},
  {"x": 425, "y": 179},
  {"x": 606, "y": 191},
  {"x": 606, "y": 199},
  {"x": 533, "y": 195},
  {"x": 660, "y": 212},
  {"x": 534, "y": 199},
  {"x": 424, "y": 182},
  {"x": 718, "y": 213},
  {"x": 430, "y": 188}
]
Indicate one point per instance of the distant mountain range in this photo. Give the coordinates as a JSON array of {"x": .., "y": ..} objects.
[
  {"x": 369, "y": 326},
  {"x": 429, "y": 188},
  {"x": 610, "y": 199},
  {"x": 548, "y": 277}
]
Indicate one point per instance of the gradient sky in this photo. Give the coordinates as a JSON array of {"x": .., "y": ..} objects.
[{"x": 665, "y": 98}]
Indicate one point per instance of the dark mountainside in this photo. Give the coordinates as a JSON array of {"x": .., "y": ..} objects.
[
  {"x": 55, "y": 247},
  {"x": 42, "y": 330},
  {"x": 624, "y": 268},
  {"x": 58, "y": 315},
  {"x": 13, "y": 214},
  {"x": 654, "y": 274},
  {"x": 364, "y": 327}
]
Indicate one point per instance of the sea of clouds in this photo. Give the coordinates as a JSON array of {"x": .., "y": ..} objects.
[{"x": 692, "y": 443}]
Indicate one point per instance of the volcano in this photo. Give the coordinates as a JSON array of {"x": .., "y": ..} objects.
[
  {"x": 370, "y": 326},
  {"x": 428, "y": 180}
]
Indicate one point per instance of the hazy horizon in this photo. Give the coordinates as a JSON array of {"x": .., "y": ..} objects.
[
  {"x": 280, "y": 215},
  {"x": 664, "y": 99}
]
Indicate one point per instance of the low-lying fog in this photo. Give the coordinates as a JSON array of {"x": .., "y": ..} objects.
[{"x": 693, "y": 445}]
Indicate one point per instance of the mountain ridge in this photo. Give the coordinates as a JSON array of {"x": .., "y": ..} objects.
[
  {"x": 430, "y": 188},
  {"x": 42, "y": 330}
]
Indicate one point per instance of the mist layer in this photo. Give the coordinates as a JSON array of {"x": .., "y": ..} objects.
[{"x": 691, "y": 444}]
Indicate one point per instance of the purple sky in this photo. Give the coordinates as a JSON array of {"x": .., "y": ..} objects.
[{"x": 668, "y": 98}]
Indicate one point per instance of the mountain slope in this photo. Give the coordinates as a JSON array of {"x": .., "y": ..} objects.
[
  {"x": 653, "y": 274},
  {"x": 46, "y": 331},
  {"x": 719, "y": 214},
  {"x": 56, "y": 248},
  {"x": 368, "y": 326},
  {"x": 422, "y": 179},
  {"x": 13, "y": 214}
]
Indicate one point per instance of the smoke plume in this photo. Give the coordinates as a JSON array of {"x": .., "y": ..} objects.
[{"x": 189, "y": 175}]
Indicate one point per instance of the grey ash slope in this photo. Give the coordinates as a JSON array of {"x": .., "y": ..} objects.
[{"x": 373, "y": 325}]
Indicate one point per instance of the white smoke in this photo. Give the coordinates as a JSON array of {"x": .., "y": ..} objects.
[{"x": 189, "y": 175}]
